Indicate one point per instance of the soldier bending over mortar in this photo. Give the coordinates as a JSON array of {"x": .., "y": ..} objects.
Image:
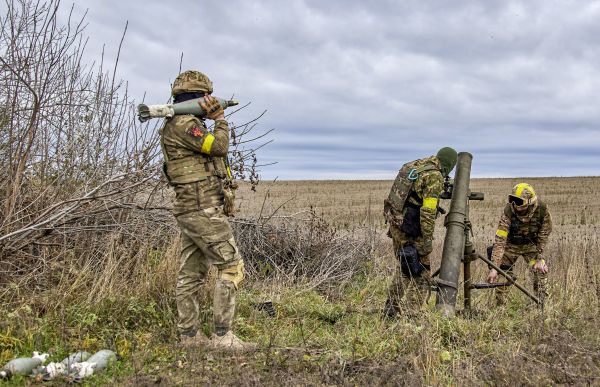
[
  {"x": 524, "y": 229},
  {"x": 411, "y": 209}
]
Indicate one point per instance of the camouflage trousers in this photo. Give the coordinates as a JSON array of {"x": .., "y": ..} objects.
[
  {"x": 407, "y": 293},
  {"x": 530, "y": 255},
  {"x": 206, "y": 239}
]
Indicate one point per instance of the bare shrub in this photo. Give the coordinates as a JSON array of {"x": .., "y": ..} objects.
[
  {"x": 76, "y": 165},
  {"x": 301, "y": 248},
  {"x": 80, "y": 181}
]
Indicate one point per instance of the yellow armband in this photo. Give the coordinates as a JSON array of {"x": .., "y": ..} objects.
[
  {"x": 207, "y": 144},
  {"x": 430, "y": 203}
]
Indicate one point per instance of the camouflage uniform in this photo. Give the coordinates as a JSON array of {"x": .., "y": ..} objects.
[
  {"x": 195, "y": 167},
  {"x": 522, "y": 235},
  {"x": 424, "y": 196}
]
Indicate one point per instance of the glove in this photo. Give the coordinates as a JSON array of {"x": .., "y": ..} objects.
[
  {"x": 212, "y": 107},
  {"x": 425, "y": 248},
  {"x": 492, "y": 276},
  {"x": 540, "y": 265}
]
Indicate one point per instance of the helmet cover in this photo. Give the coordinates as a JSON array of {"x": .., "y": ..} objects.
[
  {"x": 190, "y": 82},
  {"x": 522, "y": 198}
]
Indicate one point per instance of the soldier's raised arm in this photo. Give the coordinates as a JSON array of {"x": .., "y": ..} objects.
[{"x": 219, "y": 141}]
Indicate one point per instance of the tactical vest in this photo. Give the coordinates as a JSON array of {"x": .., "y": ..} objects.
[
  {"x": 193, "y": 168},
  {"x": 521, "y": 233},
  {"x": 401, "y": 189}
]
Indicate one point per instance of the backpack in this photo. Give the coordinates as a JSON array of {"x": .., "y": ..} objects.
[{"x": 405, "y": 179}]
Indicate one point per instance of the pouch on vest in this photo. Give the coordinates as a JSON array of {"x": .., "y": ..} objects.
[
  {"x": 410, "y": 264},
  {"x": 187, "y": 170}
]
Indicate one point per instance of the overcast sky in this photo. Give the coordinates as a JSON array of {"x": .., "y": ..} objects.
[{"x": 356, "y": 88}]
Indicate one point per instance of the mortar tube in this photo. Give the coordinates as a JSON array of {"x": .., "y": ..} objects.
[{"x": 454, "y": 241}]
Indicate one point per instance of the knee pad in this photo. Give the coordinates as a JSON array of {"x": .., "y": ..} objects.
[{"x": 233, "y": 273}]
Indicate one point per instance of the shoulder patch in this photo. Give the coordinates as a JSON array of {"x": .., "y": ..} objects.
[{"x": 195, "y": 131}]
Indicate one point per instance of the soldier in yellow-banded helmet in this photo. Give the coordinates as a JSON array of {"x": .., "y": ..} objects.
[
  {"x": 410, "y": 210},
  {"x": 194, "y": 164},
  {"x": 524, "y": 228}
]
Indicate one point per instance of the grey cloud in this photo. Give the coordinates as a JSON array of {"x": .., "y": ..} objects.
[{"x": 359, "y": 87}]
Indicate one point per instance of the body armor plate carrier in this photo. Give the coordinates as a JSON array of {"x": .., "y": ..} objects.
[
  {"x": 195, "y": 168},
  {"x": 522, "y": 233}
]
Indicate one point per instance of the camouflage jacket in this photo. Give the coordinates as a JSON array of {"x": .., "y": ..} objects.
[
  {"x": 425, "y": 194},
  {"x": 194, "y": 161},
  {"x": 531, "y": 230}
]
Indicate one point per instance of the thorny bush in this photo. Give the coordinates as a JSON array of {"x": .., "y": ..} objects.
[
  {"x": 78, "y": 172},
  {"x": 304, "y": 249}
]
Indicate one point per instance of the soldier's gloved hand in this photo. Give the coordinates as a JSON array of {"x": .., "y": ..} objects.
[
  {"x": 492, "y": 276},
  {"x": 212, "y": 107},
  {"x": 540, "y": 265},
  {"x": 425, "y": 248}
]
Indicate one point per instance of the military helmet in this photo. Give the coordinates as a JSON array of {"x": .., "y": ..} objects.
[
  {"x": 523, "y": 197},
  {"x": 447, "y": 157},
  {"x": 192, "y": 82}
]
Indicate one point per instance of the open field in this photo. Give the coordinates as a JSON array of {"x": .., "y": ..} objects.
[
  {"x": 329, "y": 335},
  {"x": 350, "y": 204}
]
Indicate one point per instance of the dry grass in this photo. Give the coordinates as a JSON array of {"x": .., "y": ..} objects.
[
  {"x": 124, "y": 300},
  {"x": 572, "y": 252},
  {"x": 347, "y": 203}
]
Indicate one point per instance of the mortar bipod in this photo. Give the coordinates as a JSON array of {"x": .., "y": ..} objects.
[
  {"x": 509, "y": 278},
  {"x": 470, "y": 256}
]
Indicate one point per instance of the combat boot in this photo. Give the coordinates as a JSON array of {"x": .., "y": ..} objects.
[
  {"x": 198, "y": 339},
  {"x": 230, "y": 342}
]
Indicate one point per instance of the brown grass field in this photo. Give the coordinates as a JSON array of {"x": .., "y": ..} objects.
[
  {"x": 332, "y": 335},
  {"x": 352, "y": 204},
  {"x": 89, "y": 251}
]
